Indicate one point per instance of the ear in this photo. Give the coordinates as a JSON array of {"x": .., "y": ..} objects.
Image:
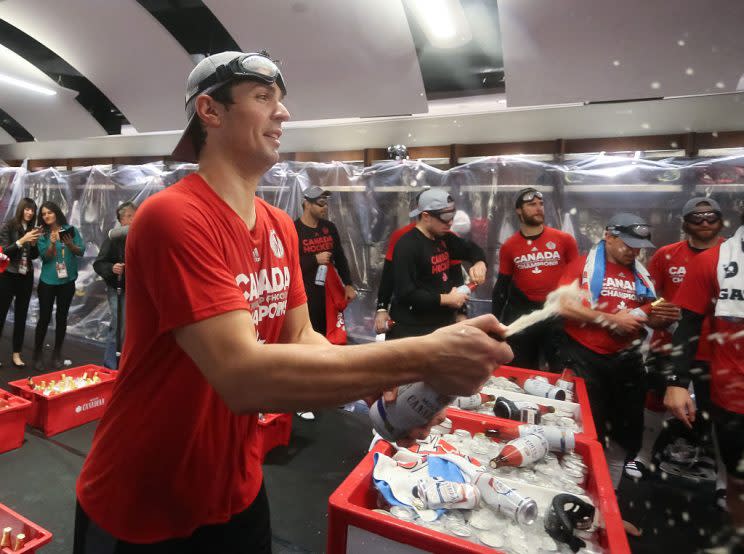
[{"x": 208, "y": 110}]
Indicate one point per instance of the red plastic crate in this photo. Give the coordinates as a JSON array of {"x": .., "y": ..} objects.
[
  {"x": 352, "y": 503},
  {"x": 13, "y": 421},
  {"x": 274, "y": 430},
  {"x": 582, "y": 397},
  {"x": 36, "y": 537},
  {"x": 54, "y": 414}
]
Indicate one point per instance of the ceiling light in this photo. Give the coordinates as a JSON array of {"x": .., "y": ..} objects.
[
  {"x": 443, "y": 22},
  {"x": 26, "y": 85}
]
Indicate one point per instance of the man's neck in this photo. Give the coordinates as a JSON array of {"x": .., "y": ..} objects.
[
  {"x": 235, "y": 185},
  {"x": 531, "y": 230},
  {"x": 309, "y": 220},
  {"x": 424, "y": 230},
  {"x": 702, "y": 244}
]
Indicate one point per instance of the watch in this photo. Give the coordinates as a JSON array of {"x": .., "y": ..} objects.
[{"x": 18, "y": 244}]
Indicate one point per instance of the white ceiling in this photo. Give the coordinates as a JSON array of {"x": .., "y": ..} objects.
[{"x": 341, "y": 58}]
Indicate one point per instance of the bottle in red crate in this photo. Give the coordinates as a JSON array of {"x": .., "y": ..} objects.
[
  {"x": 416, "y": 405},
  {"x": 472, "y": 402},
  {"x": 559, "y": 440},
  {"x": 5, "y": 539},
  {"x": 566, "y": 382},
  {"x": 504, "y": 499},
  {"x": 434, "y": 494},
  {"x": 521, "y": 452},
  {"x": 518, "y": 410},
  {"x": 19, "y": 541},
  {"x": 540, "y": 386}
]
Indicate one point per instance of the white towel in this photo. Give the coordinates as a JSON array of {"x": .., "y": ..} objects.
[{"x": 731, "y": 277}]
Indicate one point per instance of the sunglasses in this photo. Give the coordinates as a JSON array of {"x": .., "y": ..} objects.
[
  {"x": 638, "y": 231},
  {"x": 444, "y": 217},
  {"x": 696, "y": 218},
  {"x": 257, "y": 67},
  {"x": 321, "y": 202}
]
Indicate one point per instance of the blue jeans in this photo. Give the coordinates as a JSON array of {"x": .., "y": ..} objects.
[{"x": 110, "y": 359}]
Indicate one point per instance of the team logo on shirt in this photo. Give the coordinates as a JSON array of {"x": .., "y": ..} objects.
[
  {"x": 276, "y": 244},
  {"x": 551, "y": 245},
  {"x": 677, "y": 273},
  {"x": 618, "y": 288},
  {"x": 730, "y": 270},
  {"x": 256, "y": 255}
]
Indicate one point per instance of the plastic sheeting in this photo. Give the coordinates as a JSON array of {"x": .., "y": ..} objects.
[{"x": 369, "y": 203}]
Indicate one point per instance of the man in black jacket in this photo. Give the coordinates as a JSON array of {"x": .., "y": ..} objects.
[
  {"x": 424, "y": 298},
  {"x": 110, "y": 265}
]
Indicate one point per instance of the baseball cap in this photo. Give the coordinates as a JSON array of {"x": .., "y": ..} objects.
[
  {"x": 527, "y": 195},
  {"x": 693, "y": 203},
  {"x": 433, "y": 200},
  {"x": 315, "y": 192},
  {"x": 631, "y": 229},
  {"x": 213, "y": 72}
]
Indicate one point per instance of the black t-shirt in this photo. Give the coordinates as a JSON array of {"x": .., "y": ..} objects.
[
  {"x": 314, "y": 240},
  {"x": 421, "y": 274}
]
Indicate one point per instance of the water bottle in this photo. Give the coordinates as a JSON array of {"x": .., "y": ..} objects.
[
  {"x": 416, "y": 405},
  {"x": 320, "y": 275}
]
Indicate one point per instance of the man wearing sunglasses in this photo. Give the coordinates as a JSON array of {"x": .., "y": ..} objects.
[
  {"x": 714, "y": 288},
  {"x": 320, "y": 245},
  {"x": 702, "y": 224},
  {"x": 531, "y": 263},
  {"x": 424, "y": 298},
  {"x": 218, "y": 331},
  {"x": 604, "y": 332}
]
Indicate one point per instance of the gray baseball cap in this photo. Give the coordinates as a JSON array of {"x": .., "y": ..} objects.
[
  {"x": 213, "y": 72},
  {"x": 693, "y": 203},
  {"x": 433, "y": 200},
  {"x": 631, "y": 229},
  {"x": 315, "y": 192}
]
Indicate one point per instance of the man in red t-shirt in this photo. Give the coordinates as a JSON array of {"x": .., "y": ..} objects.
[
  {"x": 702, "y": 223},
  {"x": 531, "y": 263},
  {"x": 714, "y": 287},
  {"x": 603, "y": 336},
  {"x": 218, "y": 331}
]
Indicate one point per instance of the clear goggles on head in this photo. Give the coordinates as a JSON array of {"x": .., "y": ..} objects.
[
  {"x": 640, "y": 231},
  {"x": 698, "y": 217},
  {"x": 529, "y": 196},
  {"x": 255, "y": 66},
  {"x": 443, "y": 216}
]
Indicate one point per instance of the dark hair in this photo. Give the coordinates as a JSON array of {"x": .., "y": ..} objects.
[
  {"x": 18, "y": 217},
  {"x": 123, "y": 206},
  {"x": 52, "y": 207},
  {"x": 223, "y": 95}
]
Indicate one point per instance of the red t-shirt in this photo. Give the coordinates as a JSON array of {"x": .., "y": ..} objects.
[
  {"x": 536, "y": 265},
  {"x": 698, "y": 293},
  {"x": 668, "y": 267},
  {"x": 618, "y": 293},
  {"x": 168, "y": 455},
  {"x": 395, "y": 236}
]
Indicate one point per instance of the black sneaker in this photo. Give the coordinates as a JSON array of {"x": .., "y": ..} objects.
[{"x": 635, "y": 469}]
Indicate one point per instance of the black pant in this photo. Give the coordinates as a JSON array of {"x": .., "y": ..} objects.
[
  {"x": 616, "y": 386},
  {"x": 15, "y": 285},
  {"x": 316, "y": 305},
  {"x": 536, "y": 343},
  {"x": 47, "y": 295},
  {"x": 247, "y": 531}
]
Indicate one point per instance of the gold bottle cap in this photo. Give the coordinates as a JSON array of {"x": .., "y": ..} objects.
[
  {"x": 5, "y": 540},
  {"x": 20, "y": 539},
  {"x": 657, "y": 301}
]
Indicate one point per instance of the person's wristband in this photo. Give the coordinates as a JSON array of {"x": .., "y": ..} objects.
[
  {"x": 381, "y": 310},
  {"x": 18, "y": 244}
]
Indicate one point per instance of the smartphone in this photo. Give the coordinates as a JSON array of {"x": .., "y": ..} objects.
[{"x": 63, "y": 233}]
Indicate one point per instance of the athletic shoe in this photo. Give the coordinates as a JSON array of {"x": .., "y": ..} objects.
[
  {"x": 307, "y": 416},
  {"x": 635, "y": 469}
]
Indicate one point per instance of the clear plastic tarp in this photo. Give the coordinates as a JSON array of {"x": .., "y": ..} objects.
[{"x": 369, "y": 203}]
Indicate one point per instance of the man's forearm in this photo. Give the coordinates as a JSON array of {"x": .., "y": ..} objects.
[
  {"x": 584, "y": 314},
  {"x": 684, "y": 347}
]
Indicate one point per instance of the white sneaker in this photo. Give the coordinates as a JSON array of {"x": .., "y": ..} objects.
[
  {"x": 635, "y": 469},
  {"x": 307, "y": 416}
]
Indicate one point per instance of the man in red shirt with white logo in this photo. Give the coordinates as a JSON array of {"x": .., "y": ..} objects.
[
  {"x": 531, "y": 262},
  {"x": 702, "y": 224},
  {"x": 218, "y": 331},
  {"x": 604, "y": 333},
  {"x": 714, "y": 287}
]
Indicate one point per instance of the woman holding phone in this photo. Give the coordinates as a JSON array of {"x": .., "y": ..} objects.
[
  {"x": 60, "y": 246},
  {"x": 18, "y": 238}
]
